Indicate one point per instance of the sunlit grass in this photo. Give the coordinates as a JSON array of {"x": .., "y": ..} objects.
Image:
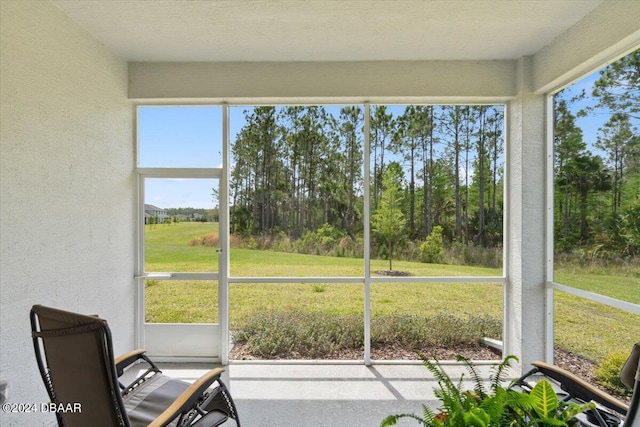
[
  {"x": 591, "y": 329},
  {"x": 626, "y": 288},
  {"x": 167, "y": 247},
  {"x": 181, "y": 301},
  {"x": 587, "y": 328},
  {"x": 339, "y": 299}
]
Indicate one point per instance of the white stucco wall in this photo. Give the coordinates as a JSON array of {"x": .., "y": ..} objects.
[{"x": 66, "y": 187}]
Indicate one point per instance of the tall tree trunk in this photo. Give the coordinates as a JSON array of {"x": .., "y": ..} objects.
[
  {"x": 481, "y": 172},
  {"x": 430, "y": 189},
  {"x": 412, "y": 187},
  {"x": 466, "y": 177},
  {"x": 456, "y": 172}
]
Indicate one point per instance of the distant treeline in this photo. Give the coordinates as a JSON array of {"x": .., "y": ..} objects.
[
  {"x": 597, "y": 182},
  {"x": 194, "y": 214},
  {"x": 300, "y": 168}
]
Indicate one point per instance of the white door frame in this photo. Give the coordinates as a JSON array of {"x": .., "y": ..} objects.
[{"x": 203, "y": 349}]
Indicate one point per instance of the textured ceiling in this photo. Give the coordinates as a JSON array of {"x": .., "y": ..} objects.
[{"x": 325, "y": 30}]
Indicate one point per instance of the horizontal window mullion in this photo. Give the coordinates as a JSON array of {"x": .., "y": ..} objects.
[
  {"x": 179, "y": 276},
  {"x": 417, "y": 279},
  {"x": 180, "y": 172},
  {"x": 439, "y": 279},
  {"x": 296, "y": 280},
  {"x": 592, "y": 296}
]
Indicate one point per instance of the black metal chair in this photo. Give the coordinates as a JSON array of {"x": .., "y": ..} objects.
[
  {"x": 630, "y": 376},
  {"x": 75, "y": 357},
  {"x": 609, "y": 411}
]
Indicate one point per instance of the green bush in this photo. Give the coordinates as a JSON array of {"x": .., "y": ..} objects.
[
  {"x": 608, "y": 373},
  {"x": 321, "y": 241},
  {"x": 300, "y": 334},
  {"x": 431, "y": 250},
  {"x": 631, "y": 227},
  {"x": 413, "y": 331},
  {"x": 319, "y": 335},
  {"x": 461, "y": 254}
]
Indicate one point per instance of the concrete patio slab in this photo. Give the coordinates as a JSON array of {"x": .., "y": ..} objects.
[{"x": 324, "y": 395}]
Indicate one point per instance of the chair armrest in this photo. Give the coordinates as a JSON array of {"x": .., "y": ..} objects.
[
  {"x": 127, "y": 359},
  {"x": 581, "y": 389},
  {"x": 188, "y": 397}
]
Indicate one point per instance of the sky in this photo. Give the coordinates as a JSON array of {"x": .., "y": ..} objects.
[
  {"x": 186, "y": 137},
  {"x": 191, "y": 136},
  {"x": 591, "y": 123}
]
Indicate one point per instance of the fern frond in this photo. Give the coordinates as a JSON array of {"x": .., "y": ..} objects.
[
  {"x": 444, "y": 381},
  {"x": 427, "y": 414},
  {"x": 391, "y": 420},
  {"x": 500, "y": 374},
  {"x": 478, "y": 387},
  {"x": 435, "y": 368}
]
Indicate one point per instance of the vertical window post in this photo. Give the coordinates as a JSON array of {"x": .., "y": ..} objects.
[{"x": 367, "y": 236}]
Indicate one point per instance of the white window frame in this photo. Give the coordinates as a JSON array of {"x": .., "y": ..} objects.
[{"x": 224, "y": 276}]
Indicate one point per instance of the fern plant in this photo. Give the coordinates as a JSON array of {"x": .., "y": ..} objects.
[{"x": 492, "y": 404}]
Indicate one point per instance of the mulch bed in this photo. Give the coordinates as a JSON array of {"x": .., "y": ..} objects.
[
  {"x": 395, "y": 273},
  {"x": 241, "y": 352},
  {"x": 577, "y": 365}
]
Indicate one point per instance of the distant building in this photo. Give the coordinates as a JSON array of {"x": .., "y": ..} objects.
[{"x": 151, "y": 211}]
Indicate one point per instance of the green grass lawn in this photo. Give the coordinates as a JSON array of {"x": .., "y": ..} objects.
[
  {"x": 582, "y": 326},
  {"x": 168, "y": 248}
]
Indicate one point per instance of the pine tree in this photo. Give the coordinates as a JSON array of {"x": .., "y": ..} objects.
[{"x": 388, "y": 221}]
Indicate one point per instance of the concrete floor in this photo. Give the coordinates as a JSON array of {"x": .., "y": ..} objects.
[{"x": 315, "y": 395}]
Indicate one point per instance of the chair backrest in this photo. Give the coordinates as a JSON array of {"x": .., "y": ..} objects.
[
  {"x": 75, "y": 357},
  {"x": 630, "y": 376},
  {"x": 631, "y": 367}
]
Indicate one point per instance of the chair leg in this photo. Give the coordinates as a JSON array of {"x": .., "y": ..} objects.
[
  {"x": 633, "y": 419},
  {"x": 221, "y": 400}
]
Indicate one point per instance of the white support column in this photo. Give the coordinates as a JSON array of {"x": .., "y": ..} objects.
[
  {"x": 367, "y": 234},
  {"x": 223, "y": 232},
  {"x": 549, "y": 241},
  {"x": 525, "y": 295}
]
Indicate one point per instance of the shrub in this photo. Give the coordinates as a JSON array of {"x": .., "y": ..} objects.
[
  {"x": 235, "y": 241},
  {"x": 348, "y": 247},
  {"x": 300, "y": 334},
  {"x": 251, "y": 244},
  {"x": 195, "y": 241},
  {"x": 321, "y": 241},
  {"x": 413, "y": 331},
  {"x": 459, "y": 253},
  {"x": 431, "y": 250},
  {"x": 282, "y": 243},
  {"x": 211, "y": 240},
  {"x": 608, "y": 373},
  {"x": 319, "y": 335}
]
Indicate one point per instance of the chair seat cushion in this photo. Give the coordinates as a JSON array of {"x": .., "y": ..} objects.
[{"x": 151, "y": 398}]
